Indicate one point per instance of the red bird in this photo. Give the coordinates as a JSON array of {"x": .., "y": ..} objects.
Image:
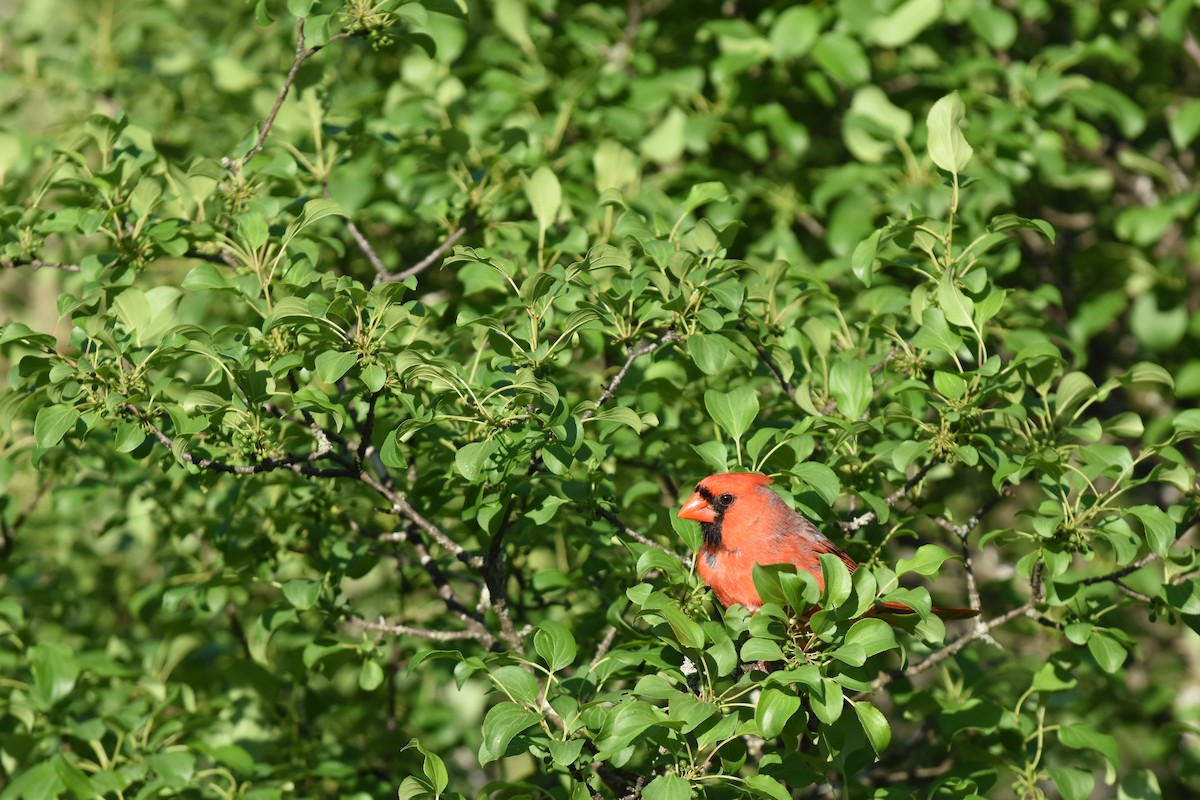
[{"x": 745, "y": 523}]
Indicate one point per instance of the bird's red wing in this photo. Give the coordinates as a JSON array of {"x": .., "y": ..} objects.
[{"x": 826, "y": 546}]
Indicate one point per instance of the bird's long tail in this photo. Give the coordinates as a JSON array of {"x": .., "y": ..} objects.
[{"x": 944, "y": 613}]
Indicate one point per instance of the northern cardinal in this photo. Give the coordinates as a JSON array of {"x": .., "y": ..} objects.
[{"x": 745, "y": 523}]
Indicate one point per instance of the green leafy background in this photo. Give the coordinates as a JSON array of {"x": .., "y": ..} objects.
[{"x": 341, "y": 445}]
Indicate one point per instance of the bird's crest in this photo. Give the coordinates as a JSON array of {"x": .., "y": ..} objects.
[{"x": 734, "y": 482}]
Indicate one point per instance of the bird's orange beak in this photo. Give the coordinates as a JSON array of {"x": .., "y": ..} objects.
[{"x": 697, "y": 508}]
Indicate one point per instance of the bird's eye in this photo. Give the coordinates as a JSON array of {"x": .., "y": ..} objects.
[{"x": 725, "y": 499}]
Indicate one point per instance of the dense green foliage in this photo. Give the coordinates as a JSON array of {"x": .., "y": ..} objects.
[{"x": 341, "y": 446}]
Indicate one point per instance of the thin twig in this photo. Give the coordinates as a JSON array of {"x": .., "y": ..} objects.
[
  {"x": 400, "y": 629},
  {"x": 634, "y": 355},
  {"x": 366, "y": 431},
  {"x": 400, "y": 505},
  {"x": 359, "y": 237},
  {"x": 296, "y": 463},
  {"x": 8, "y": 532},
  {"x": 605, "y": 645},
  {"x": 37, "y": 263},
  {"x": 302, "y": 55},
  {"x": 426, "y": 262},
  {"x": 962, "y": 532},
  {"x": 765, "y": 357},
  {"x": 625, "y": 530},
  {"x": 224, "y": 257},
  {"x": 1117, "y": 575},
  {"x": 893, "y": 498},
  {"x": 958, "y": 644},
  {"x": 366, "y": 248}
]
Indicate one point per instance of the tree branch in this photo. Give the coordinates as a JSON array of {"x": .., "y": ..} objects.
[
  {"x": 605, "y": 645},
  {"x": 893, "y": 498},
  {"x": 302, "y": 55},
  {"x": 634, "y": 355},
  {"x": 401, "y": 506},
  {"x": 625, "y": 530},
  {"x": 296, "y": 463},
  {"x": 8, "y": 533},
  {"x": 400, "y": 629},
  {"x": 765, "y": 358},
  {"x": 37, "y": 263},
  {"x": 429, "y": 260}
]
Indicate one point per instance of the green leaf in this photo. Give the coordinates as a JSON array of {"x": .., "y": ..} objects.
[
  {"x": 332, "y": 364},
  {"x": 704, "y": 193},
  {"x": 775, "y": 707},
  {"x": 904, "y": 23},
  {"x": 842, "y": 58},
  {"x": 873, "y": 635},
  {"x": 1187, "y": 421},
  {"x": 1052, "y": 677},
  {"x": 74, "y": 778},
  {"x": 319, "y": 208},
  {"x": 545, "y": 196},
  {"x": 837, "y": 579},
  {"x": 617, "y": 168},
  {"x": 862, "y": 261},
  {"x": 501, "y": 724},
  {"x": 621, "y": 415},
  {"x": 935, "y": 334},
  {"x": 518, "y": 683},
  {"x": 627, "y": 722},
  {"x": 471, "y": 458},
  {"x": 949, "y": 385},
  {"x": 52, "y": 423},
  {"x": 687, "y": 631},
  {"x": 734, "y": 411},
  {"x": 851, "y": 386},
  {"x": 252, "y": 226},
  {"x": 288, "y": 309},
  {"x": 666, "y": 142},
  {"x": 1108, "y": 652},
  {"x": 794, "y": 32},
  {"x": 761, "y": 650},
  {"x": 302, "y": 593},
  {"x": 874, "y": 725},
  {"x": 370, "y": 675},
  {"x": 820, "y": 478},
  {"x": 433, "y": 767},
  {"x": 828, "y": 702},
  {"x": 1160, "y": 528},
  {"x": 411, "y": 788},
  {"x": 565, "y": 753},
  {"x": 1148, "y": 372},
  {"x": 926, "y": 561},
  {"x": 709, "y": 351},
  {"x": 1140, "y": 784},
  {"x": 207, "y": 277},
  {"x": 55, "y": 671},
  {"x": 175, "y": 767},
  {"x": 1184, "y": 125},
  {"x": 1080, "y": 736},
  {"x": 373, "y": 377},
  {"x": 555, "y": 644},
  {"x": 1072, "y": 783},
  {"x": 1155, "y": 327},
  {"x": 392, "y": 452},
  {"x": 959, "y": 310},
  {"x": 1073, "y": 389},
  {"x": 948, "y": 147},
  {"x": 667, "y": 787}
]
